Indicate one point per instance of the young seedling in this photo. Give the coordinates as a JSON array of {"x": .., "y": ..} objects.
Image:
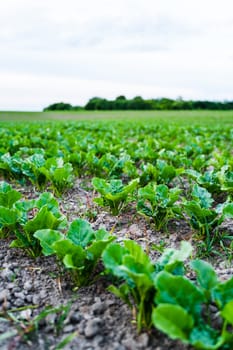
[
  {"x": 114, "y": 194},
  {"x": 79, "y": 249},
  {"x": 136, "y": 274},
  {"x": 159, "y": 203}
]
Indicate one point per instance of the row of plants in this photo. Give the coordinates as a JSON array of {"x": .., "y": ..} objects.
[
  {"x": 53, "y": 154},
  {"x": 158, "y": 203},
  {"x": 159, "y": 291}
]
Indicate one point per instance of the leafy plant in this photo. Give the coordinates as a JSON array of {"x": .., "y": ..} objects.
[
  {"x": 114, "y": 194},
  {"x": 203, "y": 218},
  {"x": 159, "y": 203},
  {"x": 184, "y": 308},
  {"x": 80, "y": 249},
  {"x": 209, "y": 180},
  {"x": 136, "y": 273},
  {"x": 225, "y": 176},
  {"x": 46, "y": 215},
  {"x": 8, "y": 214},
  {"x": 162, "y": 173}
]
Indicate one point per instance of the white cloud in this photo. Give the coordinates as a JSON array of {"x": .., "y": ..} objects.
[{"x": 71, "y": 50}]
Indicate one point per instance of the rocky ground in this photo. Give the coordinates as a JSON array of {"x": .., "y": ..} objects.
[{"x": 91, "y": 318}]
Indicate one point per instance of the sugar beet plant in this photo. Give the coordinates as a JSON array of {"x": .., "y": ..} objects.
[
  {"x": 136, "y": 273},
  {"x": 42, "y": 213},
  {"x": 114, "y": 194},
  {"x": 159, "y": 203},
  {"x": 19, "y": 219},
  {"x": 40, "y": 171},
  {"x": 203, "y": 217},
  {"x": 164, "y": 297},
  {"x": 79, "y": 249},
  {"x": 184, "y": 308},
  {"x": 8, "y": 213}
]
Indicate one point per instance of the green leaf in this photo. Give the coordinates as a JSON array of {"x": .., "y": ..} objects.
[
  {"x": 80, "y": 233},
  {"x": 140, "y": 274},
  {"x": 206, "y": 275},
  {"x": 178, "y": 290},
  {"x": 47, "y": 238},
  {"x": 113, "y": 258},
  {"x": 96, "y": 249},
  {"x": 228, "y": 210},
  {"x": 181, "y": 254},
  {"x": 223, "y": 293},
  {"x": 43, "y": 220},
  {"x": 202, "y": 215},
  {"x": 206, "y": 338},
  {"x": 67, "y": 247},
  {"x": 138, "y": 254},
  {"x": 172, "y": 259},
  {"x": 8, "y": 216},
  {"x": 227, "y": 312},
  {"x": 47, "y": 199},
  {"x": 76, "y": 261},
  {"x": 65, "y": 341},
  {"x": 173, "y": 320},
  {"x": 8, "y": 196},
  {"x": 122, "y": 292},
  {"x": 202, "y": 196}
]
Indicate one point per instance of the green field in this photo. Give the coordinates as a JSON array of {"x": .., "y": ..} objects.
[
  {"x": 174, "y": 117},
  {"x": 72, "y": 183}
]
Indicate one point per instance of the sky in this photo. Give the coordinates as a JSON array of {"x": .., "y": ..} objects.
[{"x": 73, "y": 50}]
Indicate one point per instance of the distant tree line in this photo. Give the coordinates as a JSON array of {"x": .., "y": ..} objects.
[{"x": 138, "y": 103}]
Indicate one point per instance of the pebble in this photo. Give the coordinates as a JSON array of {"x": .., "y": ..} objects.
[
  {"x": 143, "y": 340},
  {"x": 26, "y": 314},
  {"x": 50, "y": 318},
  {"x": 76, "y": 317},
  {"x": 19, "y": 302},
  {"x": 68, "y": 329},
  {"x": 98, "y": 308},
  {"x": 135, "y": 230},
  {"x": 4, "y": 294},
  {"x": 19, "y": 295},
  {"x": 8, "y": 275},
  {"x": 129, "y": 343},
  {"x": 36, "y": 299},
  {"x": 92, "y": 327},
  {"x": 27, "y": 286}
]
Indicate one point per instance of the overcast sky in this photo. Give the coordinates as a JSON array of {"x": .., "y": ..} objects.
[{"x": 54, "y": 50}]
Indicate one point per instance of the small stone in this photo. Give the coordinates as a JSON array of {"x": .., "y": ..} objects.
[
  {"x": 98, "y": 308},
  {"x": 20, "y": 295},
  {"x": 129, "y": 343},
  {"x": 68, "y": 329},
  {"x": 28, "y": 298},
  {"x": 36, "y": 299},
  {"x": 8, "y": 275},
  {"x": 76, "y": 317},
  {"x": 92, "y": 327},
  {"x": 4, "y": 295},
  {"x": 117, "y": 346},
  {"x": 10, "y": 285},
  {"x": 19, "y": 302},
  {"x": 26, "y": 314},
  {"x": 43, "y": 294},
  {"x": 98, "y": 340},
  {"x": 50, "y": 319},
  {"x": 27, "y": 286},
  {"x": 143, "y": 340},
  {"x": 81, "y": 328},
  {"x": 135, "y": 230}
]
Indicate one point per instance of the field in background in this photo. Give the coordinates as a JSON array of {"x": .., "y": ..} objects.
[{"x": 174, "y": 117}]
